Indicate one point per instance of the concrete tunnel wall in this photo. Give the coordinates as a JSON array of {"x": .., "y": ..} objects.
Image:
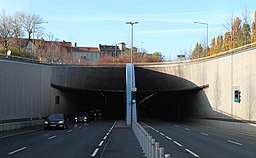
[
  {"x": 25, "y": 89},
  {"x": 223, "y": 74}
]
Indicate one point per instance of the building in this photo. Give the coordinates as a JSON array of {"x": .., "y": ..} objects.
[
  {"x": 85, "y": 54},
  {"x": 111, "y": 50}
]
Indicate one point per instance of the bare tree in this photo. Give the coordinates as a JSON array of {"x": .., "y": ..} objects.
[
  {"x": 5, "y": 30},
  {"x": 229, "y": 27},
  {"x": 18, "y": 32},
  {"x": 30, "y": 23}
]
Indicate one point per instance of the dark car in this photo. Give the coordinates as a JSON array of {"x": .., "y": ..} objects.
[
  {"x": 55, "y": 121},
  {"x": 81, "y": 117}
]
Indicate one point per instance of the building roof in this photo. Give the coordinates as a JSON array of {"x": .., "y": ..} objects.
[{"x": 86, "y": 49}]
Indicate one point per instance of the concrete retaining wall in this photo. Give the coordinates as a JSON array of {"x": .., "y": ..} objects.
[{"x": 223, "y": 74}]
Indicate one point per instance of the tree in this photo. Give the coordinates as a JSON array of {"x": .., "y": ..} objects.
[
  {"x": 253, "y": 37},
  {"x": 246, "y": 32},
  {"x": 219, "y": 44},
  {"x": 212, "y": 47},
  {"x": 229, "y": 28},
  {"x": 227, "y": 43},
  {"x": 6, "y": 31},
  {"x": 198, "y": 51},
  {"x": 237, "y": 33},
  {"x": 30, "y": 23}
]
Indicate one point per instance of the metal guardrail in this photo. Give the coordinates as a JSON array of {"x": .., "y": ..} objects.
[{"x": 150, "y": 147}]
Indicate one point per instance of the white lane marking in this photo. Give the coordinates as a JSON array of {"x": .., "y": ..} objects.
[
  {"x": 107, "y": 134},
  {"x": 52, "y": 137},
  {"x": 230, "y": 141},
  {"x": 101, "y": 143},
  {"x": 177, "y": 143},
  {"x": 80, "y": 126},
  {"x": 105, "y": 137},
  {"x": 95, "y": 152},
  {"x": 15, "y": 151},
  {"x": 11, "y": 135},
  {"x": 187, "y": 129},
  {"x": 162, "y": 134},
  {"x": 168, "y": 137},
  {"x": 205, "y": 134},
  {"x": 192, "y": 153},
  {"x": 69, "y": 131},
  {"x": 157, "y": 131},
  {"x": 176, "y": 126}
]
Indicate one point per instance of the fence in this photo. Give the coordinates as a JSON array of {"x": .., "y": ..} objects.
[{"x": 150, "y": 147}]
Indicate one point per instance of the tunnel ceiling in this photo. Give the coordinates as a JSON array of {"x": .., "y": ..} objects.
[{"x": 113, "y": 79}]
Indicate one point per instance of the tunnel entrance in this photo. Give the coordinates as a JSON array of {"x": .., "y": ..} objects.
[
  {"x": 109, "y": 105},
  {"x": 168, "y": 105}
]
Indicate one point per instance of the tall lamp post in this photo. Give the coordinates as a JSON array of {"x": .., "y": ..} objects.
[
  {"x": 203, "y": 23},
  {"x": 132, "y": 88},
  {"x": 34, "y": 25}
]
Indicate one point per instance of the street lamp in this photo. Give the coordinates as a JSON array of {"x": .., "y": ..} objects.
[
  {"x": 34, "y": 25},
  {"x": 203, "y": 23},
  {"x": 132, "y": 23},
  {"x": 132, "y": 88}
]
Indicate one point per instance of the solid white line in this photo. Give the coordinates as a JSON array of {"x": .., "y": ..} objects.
[
  {"x": 15, "y": 151},
  {"x": 230, "y": 141},
  {"x": 192, "y": 153},
  {"x": 177, "y": 143},
  {"x": 105, "y": 137},
  {"x": 162, "y": 134},
  {"x": 101, "y": 143},
  {"x": 95, "y": 152},
  {"x": 69, "y": 131},
  {"x": 205, "y": 134},
  {"x": 187, "y": 129},
  {"x": 52, "y": 137},
  {"x": 168, "y": 137}
]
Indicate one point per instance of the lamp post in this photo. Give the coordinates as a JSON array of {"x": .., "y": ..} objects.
[
  {"x": 34, "y": 25},
  {"x": 132, "y": 88},
  {"x": 132, "y": 23},
  {"x": 203, "y": 23}
]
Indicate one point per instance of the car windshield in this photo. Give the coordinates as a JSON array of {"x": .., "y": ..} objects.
[{"x": 56, "y": 116}]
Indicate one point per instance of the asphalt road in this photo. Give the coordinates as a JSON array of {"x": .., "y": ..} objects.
[
  {"x": 188, "y": 140},
  {"x": 79, "y": 140}
]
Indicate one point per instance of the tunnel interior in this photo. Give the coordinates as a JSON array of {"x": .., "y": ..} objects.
[
  {"x": 158, "y": 96},
  {"x": 173, "y": 105}
]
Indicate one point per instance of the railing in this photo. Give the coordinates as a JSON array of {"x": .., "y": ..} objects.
[{"x": 150, "y": 147}]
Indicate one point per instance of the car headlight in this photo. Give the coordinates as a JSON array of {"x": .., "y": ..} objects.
[
  {"x": 85, "y": 118},
  {"x": 76, "y": 118},
  {"x": 61, "y": 122},
  {"x": 46, "y": 122}
]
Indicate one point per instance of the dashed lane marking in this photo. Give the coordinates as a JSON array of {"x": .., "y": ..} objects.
[
  {"x": 95, "y": 152},
  {"x": 191, "y": 152},
  {"x": 18, "y": 150},
  {"x": 101, "y": 143},
  {"x": 177, "y": 143},
  {"x": 233, "y": 142},
  {"x": 52, "y": 137},
  {"x": 205, "y": 134}
]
